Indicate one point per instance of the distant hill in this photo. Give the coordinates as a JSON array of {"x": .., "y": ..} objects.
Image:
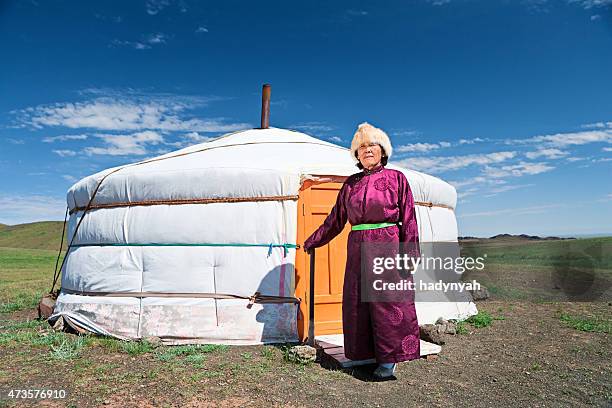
[
  {"x": 513, "y": 237},
  {"x": 36, "y": 235}
]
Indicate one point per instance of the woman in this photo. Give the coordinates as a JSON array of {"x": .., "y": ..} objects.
[{"x": 374, "y": 201}]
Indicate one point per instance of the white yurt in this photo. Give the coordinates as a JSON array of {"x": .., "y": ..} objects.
[{"x": 200, "y": 245}]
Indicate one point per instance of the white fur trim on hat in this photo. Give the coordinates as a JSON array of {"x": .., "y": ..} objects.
[{"x": 368, "y": 133}]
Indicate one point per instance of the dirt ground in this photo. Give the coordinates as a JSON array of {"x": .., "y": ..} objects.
[{"x": 528, "y": 356}]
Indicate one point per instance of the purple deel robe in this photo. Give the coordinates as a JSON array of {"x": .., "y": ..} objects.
[{"x": 385, "y": 330}]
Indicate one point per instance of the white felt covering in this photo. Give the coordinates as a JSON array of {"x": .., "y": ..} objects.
[{"x": 251, "y": 163}]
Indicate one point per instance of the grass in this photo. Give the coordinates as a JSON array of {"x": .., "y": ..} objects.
[
  {"x": 478, "y": 321},
  {"x": 196, "y": 360},
  {"x": 69, "y": 348},
  {"x": 25, "y": 274},
  {"x": 462, "y": 328},
  {"x": 579, "y": 270},
  {"x": 579, "y": 253},
  {"x": 587, "y": 324},
  {"x": 21, "y": 301},
  {"x": 36, "y": 235},
  {"x": 134, "y": 348},
  {"x": 100, "y": 367}
]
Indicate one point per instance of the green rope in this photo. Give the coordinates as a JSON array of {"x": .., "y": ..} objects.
[{"x": 269, "y": 246}]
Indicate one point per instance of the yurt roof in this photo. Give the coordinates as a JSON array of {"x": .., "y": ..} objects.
[{"x": 248, "y": 163}]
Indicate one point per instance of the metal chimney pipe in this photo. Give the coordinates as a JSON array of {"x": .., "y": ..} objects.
[{"x": 265, "y": 106}]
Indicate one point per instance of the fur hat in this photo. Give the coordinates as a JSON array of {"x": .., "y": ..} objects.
[{"x": 368, "y": 133}]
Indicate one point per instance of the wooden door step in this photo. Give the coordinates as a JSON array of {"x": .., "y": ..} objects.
[{"x": 332, "y": 349}]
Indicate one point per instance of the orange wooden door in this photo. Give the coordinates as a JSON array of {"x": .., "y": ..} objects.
[{"x": 315, "y": 202}]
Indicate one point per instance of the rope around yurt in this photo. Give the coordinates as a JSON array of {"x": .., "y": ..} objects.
[
  {"x": 89, "y": 205},
  {"x": 259, "y": 298}
]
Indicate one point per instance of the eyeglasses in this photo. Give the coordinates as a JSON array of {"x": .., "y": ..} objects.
[{"x": 365, "y": 146}]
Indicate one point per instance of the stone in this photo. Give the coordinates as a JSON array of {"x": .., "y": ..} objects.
[
  {"x": 154, "y": 341},
  {"x": 302, "y": 354},
  {"x": 480, "y": 294},
  {"x": 46, "y": 306},
  {"x": 446, "y": 326},
  {"x": 451, "y": 327},
  {"x": 431, "y": 333}
]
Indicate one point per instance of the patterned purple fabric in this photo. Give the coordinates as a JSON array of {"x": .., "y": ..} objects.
[{"x": 387, "y": 331}]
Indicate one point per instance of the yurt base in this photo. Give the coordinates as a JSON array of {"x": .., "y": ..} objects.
[{"x": 332, "y": 351}]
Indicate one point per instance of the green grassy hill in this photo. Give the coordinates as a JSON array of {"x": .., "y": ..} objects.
[{"x": 36, "y": 235}]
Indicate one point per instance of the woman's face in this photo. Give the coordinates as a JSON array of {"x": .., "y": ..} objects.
[{"x": 369, "y": 154}]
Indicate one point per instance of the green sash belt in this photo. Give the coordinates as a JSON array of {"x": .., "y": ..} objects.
[{"x": 360, "y": 227}]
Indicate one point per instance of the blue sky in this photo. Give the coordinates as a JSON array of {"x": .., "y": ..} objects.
[{"x": 509, "y": 101}]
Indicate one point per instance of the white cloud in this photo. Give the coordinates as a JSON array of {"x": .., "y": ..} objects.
[
  {"x": 132, "y": 112},
  {"x": 63, "y": 138},
  {"x": 145, "y": 43},
  {"x": 470, "y": 141},
  {"x": 547, "y": 153},
  {"x": 65, "y": 153},
  {"x": 420, "y": 147},
  {"x": 469, "y": 181},
  {"x": 589, "y": 4},
  {"x": 477, "y": 183},
  {"x": 509, "y": 187},
  {"x": 312, "y": 127},
  {"x": 357, "y": 12},
  {"x": 561, "y": 140},
  {"x": 155, "y": 6},
  {"x": 70, "y": 178},
  {"x": 17, "y": 209},
  {"x": 516, "y": 170},
  {"x": 512, "y": 211},
  {"x": 540, "y": 5},
  {"x": 438, "y": 2},
  {"x": 16, "y": 141},
  {"x": 466, "y": 193},
  {"x": 137, "y": 45},
  {"x": 187, "y": 139},
  {"x": 595, "y": 17},
  {"x": 113, "y": 19},
  {"x": 196, "y": 137},
  {"x": 157, "y": 38},
  {"x": 201, "y": 29},
  {"x": 607, "y": 149},
  {"x": 400, "y": 133},
  {"x": 596, "y": 125},
  {"x": 335, "y": 139},
  {"x": 575, "y": 138},
  {"x": 122, "y": 145},
  {"x": 438, "y": 164}
]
